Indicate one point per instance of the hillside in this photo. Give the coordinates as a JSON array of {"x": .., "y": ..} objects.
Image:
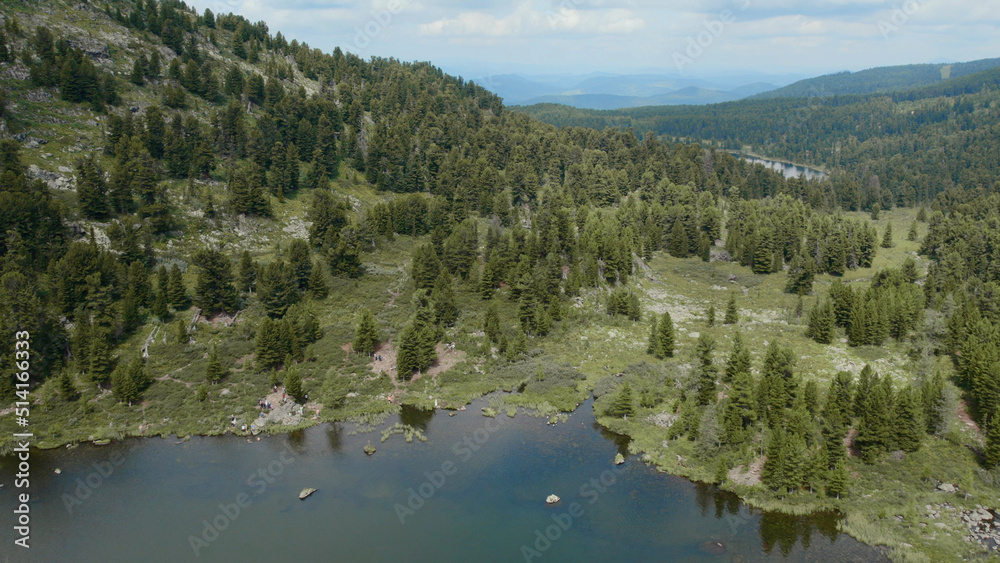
[
  {"x": 879, "y": 80},
  {"x": 203, "y": 213},
  {"x": 893, "y": 149}
]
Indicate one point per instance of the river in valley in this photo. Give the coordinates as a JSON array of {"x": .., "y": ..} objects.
[
  {"x": 474, "y": 491},
  {"x": 788, "y": 169}
]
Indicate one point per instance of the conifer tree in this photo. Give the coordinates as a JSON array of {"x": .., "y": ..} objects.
[
  {"x": 732, "y": 313},
  {"x": 887, "y": 237},
  {"x": 622, "y": 404},
  {"x": 176, "y": 292},
  {"x": 246, "y": 272},
  {"x": 992, "y": 453},
  {"x": 837, "y": 482},
  {"x": 707, "y": 372},
  {"x": 181, "y": 332},
  {"x": 418, "y": 340},
  {"x": 710, "y": 316},
  {"x": 907, "y": 425},
  {"x": 443, "y": 299},
  {"x": 99, "y": 355},
  {"x": 268, "y": 348},
  {"x": 491, "y": 324},
  {"x": 801, "y": 273},
  {"x": 653, "y": 336},
  {"x": 821, "y": 323},
  {"x": 276, "y": 289},
  {"x": 67, "y": 389},
  {"x": 366, "y": 338},
  {"x": 739, "y": 414},
  {"x": 426, "y": 266},
  {"x": 318, "y": 288},
  {"x": 214, "y": 284},
  {"x": 300, "y": 263},
  {"x": 293, "y": 385},
  {"x": 773, "y": 474},
  {"x": 680, "y": 243},
  {"x": 739, "y": 358},
  {"x": 665, "y": 337},
  {"x": 91, "y": 189},
  {"x": 912, "y": 234},
  {"x": 214, "y": 372}
]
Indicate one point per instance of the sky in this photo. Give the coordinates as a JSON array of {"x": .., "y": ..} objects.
[{"x": 476, "y": 38}]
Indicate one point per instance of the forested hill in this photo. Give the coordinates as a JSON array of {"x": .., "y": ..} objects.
[
  {"x": 878, "y": 80},
  {"x": 900, "y": 148},
  {"x": 142, "y": 138}
]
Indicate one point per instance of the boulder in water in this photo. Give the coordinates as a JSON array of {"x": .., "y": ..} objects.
[
  {"x": 551, "y": 499},
  {"x": 619, "y": 459},
  {"x": 306, "y": 492}
]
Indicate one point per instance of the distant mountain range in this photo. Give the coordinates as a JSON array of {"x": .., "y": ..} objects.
[
  {"x": 879, "y": 80},
  {"x": 609, "y": 91},
  {"x": 605, "y": 91}
]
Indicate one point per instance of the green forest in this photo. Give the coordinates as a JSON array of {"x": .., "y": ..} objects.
[{"x": 200, "y": 211}]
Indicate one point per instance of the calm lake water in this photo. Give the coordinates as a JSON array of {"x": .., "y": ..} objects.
[
  {"x": 485, "y": 482},
  {"x": 789, "y": 170}
]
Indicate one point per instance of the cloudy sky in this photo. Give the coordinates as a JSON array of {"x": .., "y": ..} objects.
[{"x": 696, "y": 37}]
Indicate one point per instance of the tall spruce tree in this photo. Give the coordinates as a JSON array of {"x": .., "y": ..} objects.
[
  {"x": 214, "y": 372},
  {"x": 366, "y": 338},
  {"x": 665, "y": 337},
  {"x": 732, "y": 313}
]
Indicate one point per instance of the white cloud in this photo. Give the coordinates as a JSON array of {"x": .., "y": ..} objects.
[{"x": 526, "y": 20}]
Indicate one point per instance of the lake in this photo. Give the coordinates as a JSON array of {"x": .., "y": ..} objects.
[
  {"x": 474, "y": 491},
  {"x": 788, "y": 169}
]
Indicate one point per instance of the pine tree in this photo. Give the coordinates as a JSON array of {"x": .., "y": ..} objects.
[
  {"x": 739, "y": 414},
  {"x": 801, "y": 273},
  {"x": 739, "y": 359},
  {"x": 992, "y": 453},
  {"x": 912, "y": 234},
  {"x": 268, "y": 348},
  {"x": 418, "y": 340},
  {"x": 821, "y": 323},
  {"x": 707, "y": 372},
  {"x": 214, "y": 372},
  {"x": 710, "y": 316},
  {"x": 837, "y": 482},
  {"x": 907, "y": 426},
  {"x": 318, "y": 288},
  {"x": 491, "y": 324},
  {"x": 680, "y": 243},
  {"x": 160, "y": 309},
  {"x": 176, "y": 292},
  {"x": 426, "y": 266},
  {"x": 887, "y": 237},
  {"x": 293, "y": 385},
  {"x": 817, "y": 470},
  {"x": 622, "y": 404},
  {"x": 214, "y": 284},
  {"x": 665, "y": 337},
  {"x": 91, "y": 189},
  {"x": 773, "y": 474},
  {"x": 366, "y": 338},
  {"x": 276, "y": 289},
  {"x": 181, "y": 332},
  {"x": 653, "y": 336},
  {"x": 300, "y": 263},
  {"x": 67, "y": 390},
  {"x": 246, "y": 272},
  {"x": 732, "y": 314},
  {"x": 99, "y": 355}
]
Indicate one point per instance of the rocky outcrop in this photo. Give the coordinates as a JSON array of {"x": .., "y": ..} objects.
[
  {"x": 306, "y": 492},
  {"x": 552, "y": 499}
]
